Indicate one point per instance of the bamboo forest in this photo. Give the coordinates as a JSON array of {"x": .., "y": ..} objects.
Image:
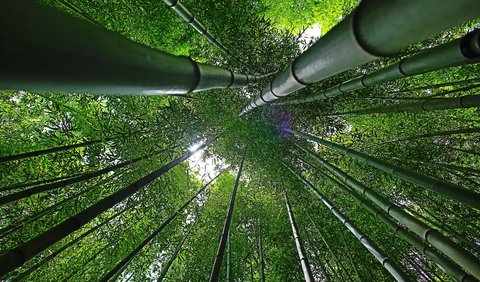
[{"x": 240, "y": 140}]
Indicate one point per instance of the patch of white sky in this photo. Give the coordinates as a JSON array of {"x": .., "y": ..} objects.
[
  {"x": 310, "y": 34},
  {"x": 206, "y": 168}
]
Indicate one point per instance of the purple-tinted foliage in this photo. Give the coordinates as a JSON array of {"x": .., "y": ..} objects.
[{"x": 282, "y": 118}]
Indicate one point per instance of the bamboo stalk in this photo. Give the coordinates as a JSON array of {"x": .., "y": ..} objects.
[
  {"x": 83, "y": 177},
  {"x": 125, "y": 261},
  {"x": 430, "y": 134},
  {"x": 386, "y": 262},
  {"x": 214, "y": 275},
  {"x": 190, "y": 19},
  {"x": 446, "y": 189},
  {"x": 260, "y": 253},
  {"x": 458, "y": 52},
  {"x": 375, "y": 29},
  {"x": 446, "y": 265},
  {"x": 53, "y": 51},
  {"x": 428, "y": 105},
  {"x": 335, "y": 257},
  {"x": 449, "y": 248},
  {"x": 307, "y": 271},
  {"x": 24, "y": 275},
  {"x": 18, "y": 256},
  {"x": 174, "y": 255},
  {"x": 50, "y": 150}
]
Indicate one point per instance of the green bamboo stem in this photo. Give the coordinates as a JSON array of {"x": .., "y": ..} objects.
[
  {"x": 18, "y": 256},
  {"x": 13, "y": 227},
  {"x": 445, "y": 264},
  {"x": 53, "y": 51},
  {"x": 464, "y": 102},
  {"x": 449, "y": 190},
  {"x": 386, "y": 262},
  {"x": 430, "y": 134},
  {"x": 432, "y": 236},
  {"x": 81, "y": 178},
  {"x": 25, "y": 274},
  {"x": 229, "y": 259},
  {"x": 173, "y": 257},
  {"x": 214, "y": 275},
  {"x": 190, "y": 19},
  {"x": 350, "y": 258},
  {"x": 125, "y": 261},
  {"x": 335, "y": 257},
  {"x": 89, "y": 260},
  {"x": 307, "y": 271},
  {"x": 465, "y": 50},
  {"x": 439, "y": 85},
  {"x": 260, "y": 253},
  {"x": 50, "y": 150},
  {"x": 375, "y": 29},
  {"x": 39, "y": 182},
  {"x": 316, "y": 252},
  {"x": 78, "y": 12}
]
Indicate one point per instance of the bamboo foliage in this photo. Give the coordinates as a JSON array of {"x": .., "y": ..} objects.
[
  {"x": 454, "y": 271},
  {"x": 462, "y": 51},
  {"x": 432, "y": 236},
  {"x": 449, "y": 190},
  {"x": 464, "y": 102},
  {"x": 307, "y": 271},
  {"x": 26, "y": 251},
  {"x": 379, "y": 254},
  {"x": 85, "y": 58},
  {"x": 214, "y": 275},
  {"x": 124, "y": 262},
  {"x": 375, "y": 29}
]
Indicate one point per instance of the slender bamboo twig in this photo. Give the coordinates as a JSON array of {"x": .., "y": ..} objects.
[{"x": 214, "y": 275}]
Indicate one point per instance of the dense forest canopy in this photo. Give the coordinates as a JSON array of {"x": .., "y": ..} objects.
[{"x": 377, "y": 178}]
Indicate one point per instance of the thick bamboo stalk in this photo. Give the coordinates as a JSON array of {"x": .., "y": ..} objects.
[
  {"x": 375, "y": 29},
  {"x": 49, "y": 151},
  {"x": 25, "y": 251},
  {"x": 454, "y": 271},
  {"x": 53, "y": 51},
  {"x": 190, "y": 19},
  {"x": 449, "y": 190},
  {"x": 29, "y": 271},
  {"x": 386, "y": 262},
  {"x": 464, "y": 102},
  {"x": 465, "y": 50},
  {"x": 432, "y": 236},
  {"x": 172, "y": 258},
  {"x": 214, "y": 275},
  {"x": 125, "y": 261},
  {"x": 307, "y": 271},
  {"x": 83, "y": 177}
]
